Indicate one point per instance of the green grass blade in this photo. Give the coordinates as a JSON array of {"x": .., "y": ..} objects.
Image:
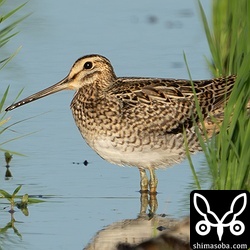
[
  {"x": 4, "y": 98},
  {"x": 6, "y": 60},
  {"x": 5, "y": 194},
  {"x": 12, "y": 12},
  {"x": 16, "y": 190}
]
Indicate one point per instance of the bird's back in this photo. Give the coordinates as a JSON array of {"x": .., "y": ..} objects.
[{"x": 172, "y": 98}]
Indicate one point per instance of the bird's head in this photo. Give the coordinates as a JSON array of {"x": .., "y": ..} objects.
[{"x": 91, "y": 71}]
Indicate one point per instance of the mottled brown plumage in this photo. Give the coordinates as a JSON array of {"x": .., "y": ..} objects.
[{"x": 139, "y": 121}]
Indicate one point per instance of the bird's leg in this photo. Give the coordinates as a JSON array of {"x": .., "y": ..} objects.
[
  {"x": 153, "y": 181},
  {"x": 144, "y": 181}
]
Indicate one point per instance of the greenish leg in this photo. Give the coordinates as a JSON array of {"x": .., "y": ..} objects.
[
  {"x": 144, "y": 181},
  {"x": 153, "y": 181}
]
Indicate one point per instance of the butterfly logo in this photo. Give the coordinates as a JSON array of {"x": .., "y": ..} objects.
[{"x": 203, "y": 227}]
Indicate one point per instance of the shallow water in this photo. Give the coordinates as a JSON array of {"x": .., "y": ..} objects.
[{"x": 141, "y": 38}]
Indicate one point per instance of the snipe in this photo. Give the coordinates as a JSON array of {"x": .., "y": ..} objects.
[{"x": 138, "y": 121}]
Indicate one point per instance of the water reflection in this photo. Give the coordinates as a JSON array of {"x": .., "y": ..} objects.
[
  {"x": 129, "y": 233},
  {"x": 175, "y": 238},
  {"x": 8, "y": 174},
  {"x": 9, "y": 225},
  {"x": 144, "y": 232},
  {"x": 148, "y": 201}
]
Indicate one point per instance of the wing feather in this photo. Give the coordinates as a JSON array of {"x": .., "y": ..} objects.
[{"x": 172, "y": 100}]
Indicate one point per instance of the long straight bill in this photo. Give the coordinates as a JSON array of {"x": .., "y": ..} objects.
[{"x": 64, "y": 84}]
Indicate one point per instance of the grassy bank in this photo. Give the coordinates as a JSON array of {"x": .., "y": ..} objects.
[
  {"x": 228, "y": 154},
  {"x": 8, "y": 24}
]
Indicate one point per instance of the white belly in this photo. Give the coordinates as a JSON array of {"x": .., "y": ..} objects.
[{"x": 143, "y": 157}]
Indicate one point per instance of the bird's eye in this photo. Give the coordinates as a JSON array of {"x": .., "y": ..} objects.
[{"x": 87, "y": 65}]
